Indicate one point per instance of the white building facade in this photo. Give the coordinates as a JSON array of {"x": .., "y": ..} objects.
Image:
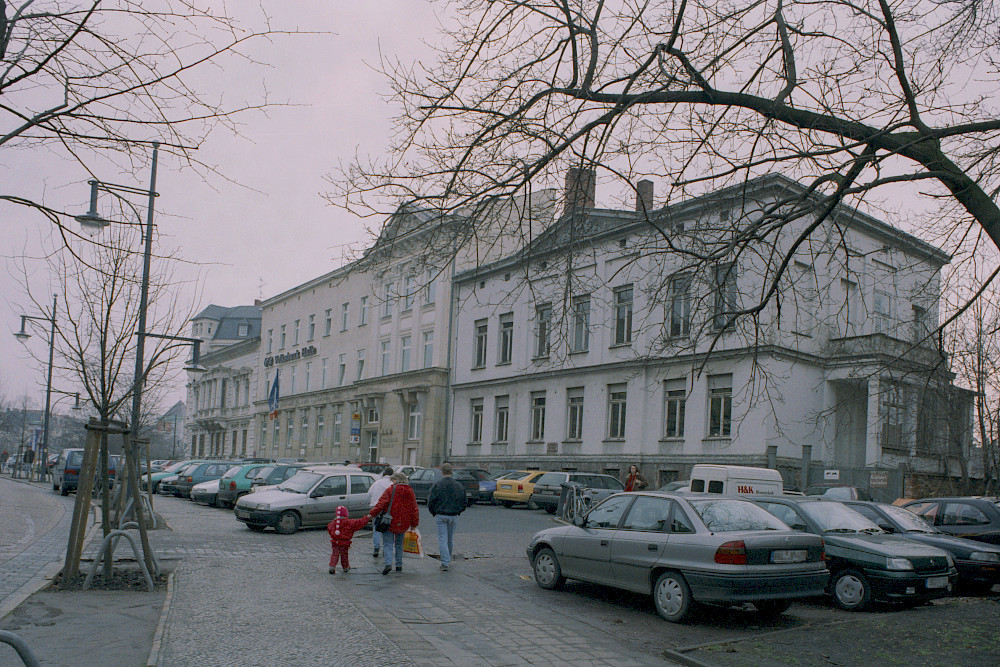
[{"x": 619, "y": 338}]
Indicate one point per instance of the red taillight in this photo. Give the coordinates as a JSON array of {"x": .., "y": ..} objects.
[
  {"x": 520, "y": 488},
  {"x": 732, "y": 553},
  {"x": 822, "y": 550},
  {"x": 72, "y": 471},
  {"x": 190, "y": 479},
  {"x": 232, "y": 486}
]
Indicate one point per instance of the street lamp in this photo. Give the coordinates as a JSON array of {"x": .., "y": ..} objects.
[{"x": 23, "y": 336}]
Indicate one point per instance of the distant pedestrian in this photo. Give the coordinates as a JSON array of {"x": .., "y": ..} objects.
[
  {"x": 445, "y": 502},
  {"x": 3, "y": 458},
  {"x": 401, "y": 504},
  {"x": 341, "y": 532},
  {"x": 374, "y": 495},
  {"x": 634, "y": 481}
]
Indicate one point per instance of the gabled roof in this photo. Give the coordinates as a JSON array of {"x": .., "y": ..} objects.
[{"x": 230, "y": 319}]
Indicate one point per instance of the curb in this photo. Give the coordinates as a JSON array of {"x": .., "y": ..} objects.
[{"x": 161, "y": 625}]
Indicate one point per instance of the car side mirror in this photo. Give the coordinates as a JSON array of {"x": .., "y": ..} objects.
[{"x": 580, "y": 521}]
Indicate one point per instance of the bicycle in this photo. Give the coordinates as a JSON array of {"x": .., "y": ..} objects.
[{"x": 578, "y": 503}]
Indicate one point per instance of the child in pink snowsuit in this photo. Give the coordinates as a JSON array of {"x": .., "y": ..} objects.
[{"x": 341, "y": 531}]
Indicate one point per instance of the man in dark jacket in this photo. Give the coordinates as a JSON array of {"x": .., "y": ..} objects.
[{"x": 445, "y": 502}]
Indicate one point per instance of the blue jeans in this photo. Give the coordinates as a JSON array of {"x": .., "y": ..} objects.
[
  {"x": 391, "y": 542},
  {"x": 446, "y": 536},
  {"x": 376, "y": 540}
]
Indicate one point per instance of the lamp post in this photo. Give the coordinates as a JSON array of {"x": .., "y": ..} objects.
[{"x": 23, "y": 336}]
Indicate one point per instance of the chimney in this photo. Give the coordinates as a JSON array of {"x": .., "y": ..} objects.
[
  {"x": 644, "y": 196},
  {"x": 256, "y": 303},
  {"x": 580, "y": 189}
]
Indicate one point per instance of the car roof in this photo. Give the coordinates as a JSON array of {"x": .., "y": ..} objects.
[{"x": 323, "y": 468}]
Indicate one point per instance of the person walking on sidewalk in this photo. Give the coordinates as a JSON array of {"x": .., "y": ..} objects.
[
  {"x": 374, "y": 495},
  {"x": 399, "y": 502},
  {"x": 634, "y": 481},
  {"x": 341, "y": 531},
  {"x": 445, "y": 502}
]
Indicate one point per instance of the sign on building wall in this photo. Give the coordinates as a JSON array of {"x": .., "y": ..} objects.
[
  {"x": 831, "y": 475},
  {"x": 878, "y": 479}
]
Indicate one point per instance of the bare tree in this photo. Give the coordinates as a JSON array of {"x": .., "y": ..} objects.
[{"x": 82, "y": 78}]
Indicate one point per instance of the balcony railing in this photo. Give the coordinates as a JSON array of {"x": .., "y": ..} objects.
[{"x": 873, "y": 345}]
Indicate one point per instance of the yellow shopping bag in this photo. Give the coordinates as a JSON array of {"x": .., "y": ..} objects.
[{"x": 411, "y": 543}]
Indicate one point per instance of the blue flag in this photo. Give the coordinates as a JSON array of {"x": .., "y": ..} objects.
[{"x": 272, "y": 397}]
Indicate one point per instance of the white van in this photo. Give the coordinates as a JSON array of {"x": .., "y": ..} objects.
[{"x": 735, "y": 480}]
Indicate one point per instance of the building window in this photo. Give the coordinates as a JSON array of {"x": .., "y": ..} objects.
[
  {"x": 291, "y": 383},
  {"x": 476, "y": 434},
  {"x": 581, "y": 323},
  {"x": 270, "y": 340},
  {"x": 414, "y": 420},
  {"x": 543, "y": 330},
  {"x": 263, "y": 437},
  {"x": 502, "y": 418},
  {"x": 725, "y": 294},
  {"x": 372, "y": 414},
  {"x": 243, "y": 330},
  {"x": 322, "y": 379},
  {"x": 617, "y": 395},
  {"x": 720, "y": 405},
  {"x": 623, "y": 315},
  {"x": 304, "y": 435},
  {"x": 680, "y": 306},
  {"x": 408, "y": 293},
  {"x": 894, "y": 415},
  {"x": 506, "y": 351},
  {"x": 319, "y": 428},
  {"x": 479, "y": 358},
  {"x": 538, "y": 415},
  {"x": 338, "y": 420},
  {"x": 329, "y": 322},
  {"x": 345, "y": 311},
  {"x": 341, "y": 369},
  {"x": 311, "y": 332},
  {"x": 276, "y": 434},
  {"x": 387, "y": 292},
  {"x": 290, "y": 434},
  {"x": 281, "y": 345},
  {"x": 308, "y": 376},
  {"x": 405, "y": 345},
  {"x": 430, "y": 290},
  {"x": 295, "y": 335},
  {"x": 363, "y": 314},
  {"x": 574, "y": 413},
  {"x": 384, "y": 352},
  {"x": 361, "y": 364},
  {"x": 674, "y": 396},
  {"x": 428, "y": 349}
]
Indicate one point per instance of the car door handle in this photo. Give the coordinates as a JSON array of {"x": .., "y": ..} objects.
[
  {"x": 652, "y": 547},
  {"x": 604, "y": 543}
]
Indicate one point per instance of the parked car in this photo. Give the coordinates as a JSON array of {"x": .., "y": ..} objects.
[
  {"x": 308, "y": 498},
  {"x": 978, "y": 563},
  {"x": 866, "y": 564},
  {"x": 676, "y": 486},
  {"x": 197, "y": 473},
  {"x": 206, "y": 492},
  {"x": 683, "y": 550},
  {"x": 517, "y": 488},
  {"x": 66, "y": 471},
  {"x": 422, "y": 480},
  {"x": 375, "y": 468},
  {"x": 489, "y": 485},
  {"x": 548, "y": 487},
  {"x": 270, "y": 476},
  {"x": 236, "y": 482},
  {"x": 152, "y": 482},
  {"x": 735, "y": 480},
  {"x": 972, "y": 517},
  {"x": 838, "y": 492}
]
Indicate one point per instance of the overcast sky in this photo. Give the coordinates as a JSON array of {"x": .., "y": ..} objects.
[{"x": 276, "y": 231}]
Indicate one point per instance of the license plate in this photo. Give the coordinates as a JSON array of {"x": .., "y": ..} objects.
[
  {"x": 242, "y": 513},
  {"x": 505, "y": 486},
  {"x": 788, "y": 556},
  {"x": 937, "y": 582}
]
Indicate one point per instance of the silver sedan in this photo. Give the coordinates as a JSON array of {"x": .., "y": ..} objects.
[{"x": 683, "y": 550}]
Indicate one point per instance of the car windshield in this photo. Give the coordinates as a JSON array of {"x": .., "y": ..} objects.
[
  {"x": 263, "y": 472},
  {"x": 176, "y": 467},
  {"x": 838, "y": 518},
  {"x": 729, "y": 514},
  {"x": 908, "y": 520},
  {"x": 232, "y": 472},
  {"x": 189, "y": 468},
  {"x": 500, "y": 475},
  {"x": 300, "y": 482}
]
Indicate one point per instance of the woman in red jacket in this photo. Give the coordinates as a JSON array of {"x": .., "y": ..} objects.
[{"x": 401, "y": 504}]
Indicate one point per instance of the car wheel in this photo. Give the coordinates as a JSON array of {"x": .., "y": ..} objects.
[
  {"x": 672, "y": 597},
  {"x": 288, "y": 522},
  {"x": 548, "y": 574},
  {"x": 550, "y": 510},
  {"x": 851, "y": 590},
  {"x": 771, "y": 608},
  {"x": 64, "y": 491},
  {"x": 532, "y": 505},
  {"x": 55, "y": 487},
  {"x": 507, "y": 503},
  {"x": 257, "y": 528}
]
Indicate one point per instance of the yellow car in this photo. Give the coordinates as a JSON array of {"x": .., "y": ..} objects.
[{"x": 516, "y": 488}]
